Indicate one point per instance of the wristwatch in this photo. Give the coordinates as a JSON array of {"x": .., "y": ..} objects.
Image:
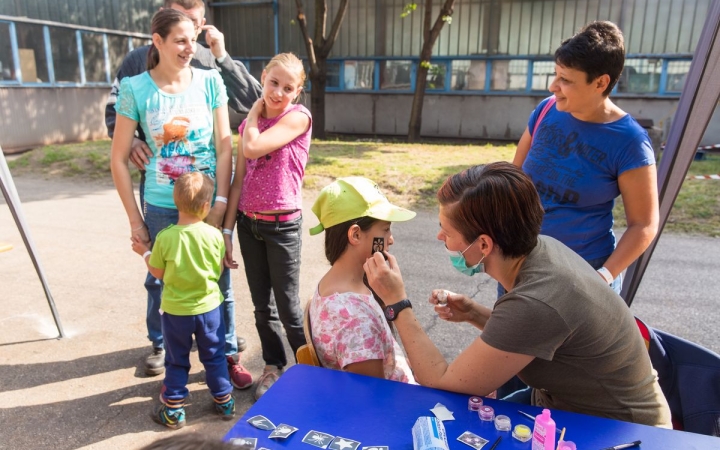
[{"x": 392, "y": 311}]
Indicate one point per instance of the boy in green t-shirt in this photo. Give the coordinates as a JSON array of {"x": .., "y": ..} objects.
[{"x": 187, "y": 257}]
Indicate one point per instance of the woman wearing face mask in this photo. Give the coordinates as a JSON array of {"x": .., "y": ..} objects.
[{"x": 550, "y": 329}]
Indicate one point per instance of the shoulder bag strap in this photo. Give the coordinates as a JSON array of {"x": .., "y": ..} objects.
[{"x": 544, "y": 111}]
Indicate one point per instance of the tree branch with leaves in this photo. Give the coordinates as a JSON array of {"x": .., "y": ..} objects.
[
  {"x": 318, "y": 49},
  {"x": 431, "y": 31}
]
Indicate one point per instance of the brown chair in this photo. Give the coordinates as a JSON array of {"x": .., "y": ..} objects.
[{"x": 306, "y": 354}]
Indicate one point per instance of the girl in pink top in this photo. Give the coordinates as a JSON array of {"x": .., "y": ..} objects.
[
  {"x": 349, "y": 330},
  {"x": 273, "y": 151}
]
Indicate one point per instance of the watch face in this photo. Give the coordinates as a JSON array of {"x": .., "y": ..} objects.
[{"x": 390, "y": 313}]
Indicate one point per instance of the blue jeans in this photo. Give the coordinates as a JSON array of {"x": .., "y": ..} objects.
[
  {"x": 156, "y": 219},
  {"x": 209, "y": 331},
  {"x": 271, "y": 252}
]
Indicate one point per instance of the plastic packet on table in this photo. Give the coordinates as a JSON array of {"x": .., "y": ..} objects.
[{"x": 429, "y": 434}]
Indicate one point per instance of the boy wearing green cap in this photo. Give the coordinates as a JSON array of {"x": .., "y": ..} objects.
[{"x": 349, "y": 329}]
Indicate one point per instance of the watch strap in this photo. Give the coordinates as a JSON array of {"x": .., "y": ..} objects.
[{"x": 392, "y": 311}]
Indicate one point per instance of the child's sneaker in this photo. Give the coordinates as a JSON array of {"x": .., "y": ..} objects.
[
  {"x": 239, "y": 375},
  {"x": 170, "y": 417},
  {"x": 226, "y": 410},
  {"x": 269, "y": 376}
]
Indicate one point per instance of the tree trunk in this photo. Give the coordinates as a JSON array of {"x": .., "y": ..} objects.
[
  {"x": 317, "y": 98},
  {"x": 419, "y": 97},
  {"x": 417, "y": 105}
]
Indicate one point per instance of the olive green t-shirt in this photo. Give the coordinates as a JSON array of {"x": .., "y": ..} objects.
[
  {"x": 589, "y": 355},
  {"x": 191, "y": 256}
]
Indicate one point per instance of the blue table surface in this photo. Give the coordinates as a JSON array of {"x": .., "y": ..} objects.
[{"x": 381, "y": 412}]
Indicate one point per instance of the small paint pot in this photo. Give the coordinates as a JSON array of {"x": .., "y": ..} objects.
[
  {"x": 474, "y": 403},
  {"x": 502, "y": 423},
  {"x": 486, "y": 413},
  {"x": 522, "y": 433}
]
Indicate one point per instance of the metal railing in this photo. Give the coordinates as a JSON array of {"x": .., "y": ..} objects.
[
  {"x": 88, "y": 58},
  {"x": 33, "y": 56}
]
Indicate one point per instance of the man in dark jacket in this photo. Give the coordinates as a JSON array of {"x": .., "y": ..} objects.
[{"x": 243, "y": 90}]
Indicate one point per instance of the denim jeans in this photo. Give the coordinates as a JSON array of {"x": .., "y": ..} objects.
[
  {"x": 157, "y": 219},
  {"x": 271, "y": 252},
  {"x": 209, "y": 331}
]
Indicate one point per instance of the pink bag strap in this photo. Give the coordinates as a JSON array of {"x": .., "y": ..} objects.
[{"x": 544, "y": 111}]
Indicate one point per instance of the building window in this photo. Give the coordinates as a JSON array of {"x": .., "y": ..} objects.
[
  {"x": 395, "y": 74},
  {"x": 31, "y": 50},
  {"x": 640, "y": 76},
  {"x": 436, "y": 77},
  {"x": 543, "y": 75},
  {"x": 359, "y": 74},
  {"x": 676, "y": 73},
  {"x": 509, "y": 75}
]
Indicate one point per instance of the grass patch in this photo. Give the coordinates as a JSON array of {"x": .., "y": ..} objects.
[
  {"x": 408, "y": 174},
  {"x": 88, "y": 160}
]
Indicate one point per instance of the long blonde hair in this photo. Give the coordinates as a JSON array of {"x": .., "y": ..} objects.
[{"x": 291, "y": 63}]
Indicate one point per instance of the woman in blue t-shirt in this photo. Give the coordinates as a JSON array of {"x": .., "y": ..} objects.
[{"x": 582, "y": 151}]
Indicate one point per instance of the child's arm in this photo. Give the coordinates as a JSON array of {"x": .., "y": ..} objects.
[
  {"x": 223, "y": 151},
  {"x": 255, "y": 144},
  {"x": 370, "y": 367},
  {"x": 142, "y": 249},
  {"x": 232, "y": 210}
]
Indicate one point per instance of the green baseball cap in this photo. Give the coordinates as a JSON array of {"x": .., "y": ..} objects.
[{"x": 352, "y": 198}]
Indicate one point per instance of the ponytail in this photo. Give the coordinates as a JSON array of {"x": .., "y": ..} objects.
[{"x": 153, "y": 57}]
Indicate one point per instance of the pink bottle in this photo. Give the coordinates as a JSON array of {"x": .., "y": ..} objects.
[{"x": 544, "y": 432}]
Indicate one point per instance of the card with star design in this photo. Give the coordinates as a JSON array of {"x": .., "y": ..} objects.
[
  {"x": 282, "y": 431},
  {"x": 261, "y": 422},
  {"x": 472, "y": 439},
  {"x": 244, "y": 443},
  {"x": 341, "y": 443},
  {"x": 318, "y": 439}
]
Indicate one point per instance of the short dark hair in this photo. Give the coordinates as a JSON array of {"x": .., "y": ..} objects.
[
  {"x": 598, "y": 49},
  {"x": 192, "y": 190},
  {"x": 187, "y": 4},
  {"x": 498, "y": 200}
]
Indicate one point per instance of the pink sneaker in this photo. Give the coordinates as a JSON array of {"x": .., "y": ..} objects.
[{"x": 239, "y": 375}]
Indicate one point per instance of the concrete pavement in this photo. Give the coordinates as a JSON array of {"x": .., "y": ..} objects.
[{"x": 88, "y": 390}]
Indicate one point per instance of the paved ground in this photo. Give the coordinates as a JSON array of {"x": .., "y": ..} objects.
[{"x": 87, "y": 391}]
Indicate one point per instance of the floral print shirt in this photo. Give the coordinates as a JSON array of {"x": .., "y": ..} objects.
[{"x": 350, "y": 327}]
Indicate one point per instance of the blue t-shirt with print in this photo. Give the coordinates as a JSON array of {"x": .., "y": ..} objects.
[
  {"x": 178, "y": 127},
  {"x": 575, "y": 167}
]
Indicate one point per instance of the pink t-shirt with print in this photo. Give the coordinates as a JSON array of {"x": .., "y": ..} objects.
[
  {"x": 349, "y": 328},
  {"x": 274, "y": 181}
]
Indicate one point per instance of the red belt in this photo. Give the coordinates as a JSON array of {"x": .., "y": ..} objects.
[{"x": 274, "y": 217}]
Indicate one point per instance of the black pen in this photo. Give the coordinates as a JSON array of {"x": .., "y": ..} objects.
[
  {"x": 622, "y": 446},
  {"x": 495, "y": 444}
]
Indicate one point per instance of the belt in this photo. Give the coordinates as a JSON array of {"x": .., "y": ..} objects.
[{"x": 274, "y": 217}]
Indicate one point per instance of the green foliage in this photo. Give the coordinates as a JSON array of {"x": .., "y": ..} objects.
[{"x": 408, "y": 9}]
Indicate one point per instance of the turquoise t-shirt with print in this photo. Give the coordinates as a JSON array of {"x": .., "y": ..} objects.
[
  {"x": 178, "y": 127},
  {"x": 191, "y": 256}
]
